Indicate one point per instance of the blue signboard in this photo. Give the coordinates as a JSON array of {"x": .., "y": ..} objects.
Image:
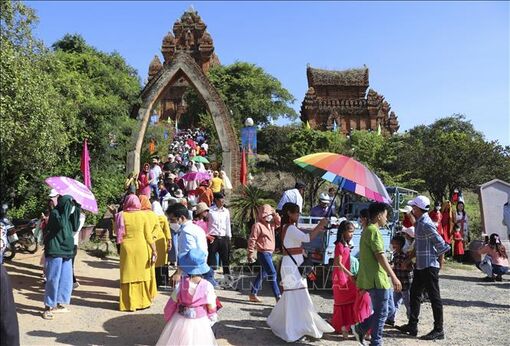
[{"x": 249, "y": 139}]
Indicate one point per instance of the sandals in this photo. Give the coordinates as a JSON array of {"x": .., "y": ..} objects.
[
  {"x": 60, "y": 309},
  {"x": 48, "y": 315}
]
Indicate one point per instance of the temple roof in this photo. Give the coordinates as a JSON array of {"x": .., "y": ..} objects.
[{"x": 350, "y": 77}]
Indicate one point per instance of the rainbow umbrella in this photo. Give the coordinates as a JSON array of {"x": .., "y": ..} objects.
[{"x": 347, "y": 173}]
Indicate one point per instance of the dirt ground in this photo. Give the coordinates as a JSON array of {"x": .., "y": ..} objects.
[{"x": 476, "y": 313}]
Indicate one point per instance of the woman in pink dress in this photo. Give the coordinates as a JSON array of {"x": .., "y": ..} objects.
[
  {"x": 191, "y": 309},
  {"x": 144, "y": 180},
  {"x": 345, "y": 293}
]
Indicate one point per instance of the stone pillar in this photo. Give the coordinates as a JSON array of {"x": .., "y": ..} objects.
[
  {"x": 133, "y": 162},
  {"x": 493, "y": 197}
]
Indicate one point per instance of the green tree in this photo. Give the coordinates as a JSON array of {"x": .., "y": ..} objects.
[
  {"x": 451, "y": 154},
  {"x": 50, "y": 102},
  {"x": 294, "y": 142},
  {"x": 249, "y": 92},
  {"x": 33, "y": 136},
  {"x": 382, "y": 155}
]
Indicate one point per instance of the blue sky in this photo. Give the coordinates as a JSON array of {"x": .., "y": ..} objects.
[{"x": 428, "y": 59}]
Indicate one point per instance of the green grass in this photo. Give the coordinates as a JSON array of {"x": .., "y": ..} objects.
[{"x": 451, "y": 264}]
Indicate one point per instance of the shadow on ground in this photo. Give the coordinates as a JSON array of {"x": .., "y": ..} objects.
[{"x": 130, "y": 329}]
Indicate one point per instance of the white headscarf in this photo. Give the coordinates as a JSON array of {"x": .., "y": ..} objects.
[
  {"x": 226, "y": 181},
  {"x": 157, "y": 208}
]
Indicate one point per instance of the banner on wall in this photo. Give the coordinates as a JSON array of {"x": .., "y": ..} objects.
[{"x": 249, "y": 139}]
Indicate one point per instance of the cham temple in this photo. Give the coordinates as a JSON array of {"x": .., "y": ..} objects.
[
  {"x": 338, "y": 100},
  {"x": 335, "y": 100},
  {"x": 189, "y": 36}
]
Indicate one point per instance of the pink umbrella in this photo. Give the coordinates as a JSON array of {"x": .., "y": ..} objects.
[
  {"x": 199, "y": 176},
  {"x": 75, "y": 189},
  {"x": 85, "y": 164}
]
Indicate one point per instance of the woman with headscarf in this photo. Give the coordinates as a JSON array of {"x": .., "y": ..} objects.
[
  {"x": 163, "y": 245},
  {"x": 136, "y": 258},
  {"x": 63, "y": 221},
  {"x": 144, "y": 180},
  {"x": 157, "y": 235},
  {"x": 226, "y": 181},
  {"x": 261, "y": 245}
]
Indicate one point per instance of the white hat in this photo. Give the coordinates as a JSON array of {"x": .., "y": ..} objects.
[
  {"x": 324, "y": 197},
  {"x": 171, "y": 156},
  {"x": 53, "y": 193},
  {"x": 409, "y": 231},
  {"x": 421, "y": 202},
  {"x": 406, "y": 210},
  {"x": 178, "y": 193}
]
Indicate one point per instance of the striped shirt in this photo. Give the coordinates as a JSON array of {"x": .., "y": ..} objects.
[{"x": 429, "y": 244}]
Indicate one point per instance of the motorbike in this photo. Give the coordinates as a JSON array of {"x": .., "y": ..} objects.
[
  {"x": 17, "y": 235},
  {"x": 8, "y": 251}
]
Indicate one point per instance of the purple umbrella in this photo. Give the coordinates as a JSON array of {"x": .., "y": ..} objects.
[
  {"x": 75, "y": 189},
  {"x": 200, "y": 176}
]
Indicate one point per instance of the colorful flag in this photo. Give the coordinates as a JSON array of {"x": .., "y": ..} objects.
[
  {"x": 244, "y": 169},
  {"x": 307, "y": 125},
  {"x": 379, "y": 129},
  {"x": 85, "y": 164},
  {"x": 334, "y": 126}
]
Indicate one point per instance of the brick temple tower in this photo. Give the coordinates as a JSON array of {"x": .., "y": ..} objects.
[
  {"x": 189, "y": 35},
  {"x": 341, "y": 98}
]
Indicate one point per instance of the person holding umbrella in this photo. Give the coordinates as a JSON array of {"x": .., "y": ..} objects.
[{"x": 63, "y": 221}]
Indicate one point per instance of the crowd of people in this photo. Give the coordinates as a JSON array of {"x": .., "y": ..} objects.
[{"x": 173, "y": 215}]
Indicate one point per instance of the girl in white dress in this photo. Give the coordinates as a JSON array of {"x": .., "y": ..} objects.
[{"x": 294, "y": 315}]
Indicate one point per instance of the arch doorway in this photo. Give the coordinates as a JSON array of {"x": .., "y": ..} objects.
[{"x": 184, "y": 66}]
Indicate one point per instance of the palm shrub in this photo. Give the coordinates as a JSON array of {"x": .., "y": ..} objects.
[{"x": 243, "y": 206}]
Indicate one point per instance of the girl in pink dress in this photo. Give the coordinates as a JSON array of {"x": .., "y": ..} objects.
[
  {"x": 191, "y": 310},
  {"x": 349, "y": 308}
]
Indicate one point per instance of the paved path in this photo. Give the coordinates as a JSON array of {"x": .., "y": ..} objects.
[{"x": 476, "y": 313}]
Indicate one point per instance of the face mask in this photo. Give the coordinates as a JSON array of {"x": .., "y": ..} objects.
[
  {"x": 175, "y": 227},
  {"x": 269, "y": 218},
  {"x": 438, "y": 208}
]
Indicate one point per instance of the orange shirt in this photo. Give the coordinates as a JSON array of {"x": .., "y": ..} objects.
[{"x": 205, "y": 195}]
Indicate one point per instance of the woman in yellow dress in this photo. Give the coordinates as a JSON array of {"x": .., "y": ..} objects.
[
  {"x": 163, "y": 245},
  {"x": 157, "y": 234},
  {"x": 137, "y": 255}
]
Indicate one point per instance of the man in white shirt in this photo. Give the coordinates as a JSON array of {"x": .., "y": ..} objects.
[
  {"x": 220, "y": 233},
  {"x": 294, "y": 195},
  {"x": 156, "y": 173}
]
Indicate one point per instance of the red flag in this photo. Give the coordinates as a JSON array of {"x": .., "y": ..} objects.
[
  {"x": 85, "y": 165},
  {"x": 244, "y": 169}
]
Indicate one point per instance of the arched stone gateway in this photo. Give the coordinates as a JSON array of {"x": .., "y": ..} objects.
[{"x": 181, "y": 66}]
